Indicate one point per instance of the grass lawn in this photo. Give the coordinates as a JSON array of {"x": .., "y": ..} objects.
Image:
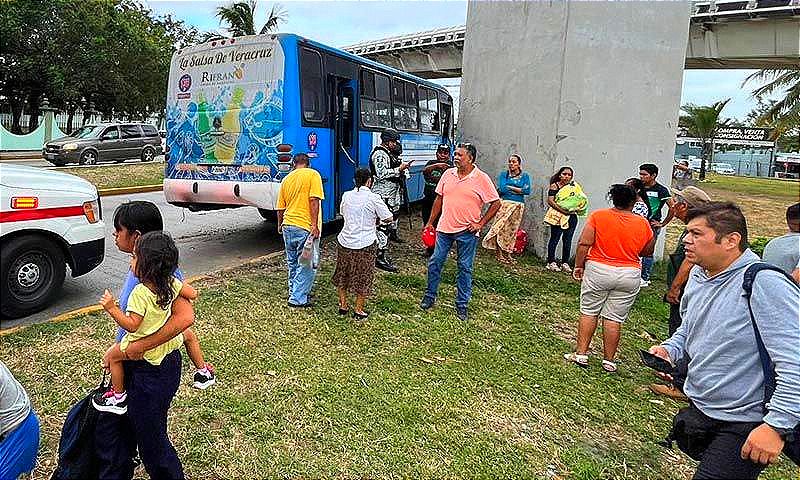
[
  {"x": 122, "y": 175},
  {"x": 309, "y": 394},
  {"x": 788, "y": 190},
  {"x": 763, "y": 201}
]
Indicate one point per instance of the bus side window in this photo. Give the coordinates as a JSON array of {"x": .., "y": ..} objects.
[
  {"x": 404, "y": 114},
  {"x": 428, "y": 113},
  {"x": 312, "y": 86},
  {"x": 375, "y": 100}
]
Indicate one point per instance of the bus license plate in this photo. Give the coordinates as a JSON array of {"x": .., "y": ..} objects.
[{"x": 218, "y": 170}]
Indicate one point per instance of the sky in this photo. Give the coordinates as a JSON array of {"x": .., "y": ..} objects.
[{"x": 339, "y": 24}]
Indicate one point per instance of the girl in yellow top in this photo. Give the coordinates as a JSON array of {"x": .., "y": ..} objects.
[{"x": 154, "y": 260}]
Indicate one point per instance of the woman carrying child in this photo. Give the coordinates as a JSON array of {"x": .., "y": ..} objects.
[{"x": 154, "y": 261}]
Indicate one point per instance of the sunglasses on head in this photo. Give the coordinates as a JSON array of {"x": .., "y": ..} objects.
[{"x": 470, "y": 148}]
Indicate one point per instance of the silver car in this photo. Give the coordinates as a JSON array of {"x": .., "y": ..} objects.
[{"x": 103, "y": 142}]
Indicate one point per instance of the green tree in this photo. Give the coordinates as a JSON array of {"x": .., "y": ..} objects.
[
  {"x": 787, "y": 140},
  {"x": 783, "y": 114},
  {"x": 27, "y": 28},
  {"x": 240, "y": 18},
  {"x": 702, "y": 122},
  {"x": 113, "y": 53}
]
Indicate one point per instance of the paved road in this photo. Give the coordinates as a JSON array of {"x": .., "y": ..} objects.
[{"x": 207, "y": 241}]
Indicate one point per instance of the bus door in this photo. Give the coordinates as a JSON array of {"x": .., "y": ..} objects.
[
  {"x": 344, "y": 137},
  {"x": 446, "y": 117}
]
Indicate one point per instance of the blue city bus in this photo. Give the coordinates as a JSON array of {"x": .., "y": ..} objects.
[{"x": 238, "y": 109}]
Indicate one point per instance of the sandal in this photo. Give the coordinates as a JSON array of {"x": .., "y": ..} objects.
[
  {"x": 609, "y": 366},
  {"x": 579, "y": 359}
]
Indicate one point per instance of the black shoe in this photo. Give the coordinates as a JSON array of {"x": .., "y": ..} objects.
[
  {"x": 204, "y": 378},
  {"x": 461, "y": 313},
  {"x": 384, "y": 263},
  {"x": 426, "y": 303},
  {"x": 304, "y": 305},
  {"x": 109, "y": 402},
  {"x": 395, "y": 238},
  {"x": 344, "y": 311},
  {"x": 360, "y": 316}
]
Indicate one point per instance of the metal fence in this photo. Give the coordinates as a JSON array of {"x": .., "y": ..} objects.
[{"x": 61, "y": 119}]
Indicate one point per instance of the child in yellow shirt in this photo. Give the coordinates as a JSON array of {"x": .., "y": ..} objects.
[{"x": 154, "y": 260}]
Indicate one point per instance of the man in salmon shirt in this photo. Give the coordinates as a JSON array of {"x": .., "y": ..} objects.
[{"x": 460, "y": 196}]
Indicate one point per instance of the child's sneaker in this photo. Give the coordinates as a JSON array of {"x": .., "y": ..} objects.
[
  {"x": 111, "y": 402},
  {"x": 204, "y": 377}
]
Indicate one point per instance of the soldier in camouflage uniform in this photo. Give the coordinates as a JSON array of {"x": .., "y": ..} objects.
[{"x": 390, "y": 173}]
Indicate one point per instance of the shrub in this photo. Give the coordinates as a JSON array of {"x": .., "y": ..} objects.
[{"x": 757, "y": 245}]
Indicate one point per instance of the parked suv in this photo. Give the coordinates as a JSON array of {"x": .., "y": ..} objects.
[
  {"x": 105, "y": 142},
  {"x": 48, "y": 220}
]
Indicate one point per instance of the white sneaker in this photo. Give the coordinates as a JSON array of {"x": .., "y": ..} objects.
[
  {"x": 553, "y": 266},
  {"x": 204, "y": 377},
  {"x": 644, "y": 283},
  {"x": 566, "y": 268}
]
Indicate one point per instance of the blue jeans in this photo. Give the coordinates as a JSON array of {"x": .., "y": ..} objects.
[
  {"x": 18, "y": 449},
  {"x": 647, "y": 262},
  {"x": 301, "y": 277},
  {"x": 557, "y": 233},
  {"x": 466, "y": 242}
]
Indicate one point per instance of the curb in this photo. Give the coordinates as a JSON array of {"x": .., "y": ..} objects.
[
  {"x": 106, "y": 192},
  {"x": 94, "y": 308}
]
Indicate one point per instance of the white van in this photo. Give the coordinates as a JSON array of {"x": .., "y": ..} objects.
[
  {"x": 48, "y": 220},
  {"x": 723, "y": 168}
]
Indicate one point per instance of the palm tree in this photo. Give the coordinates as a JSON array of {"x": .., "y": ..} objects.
[
  {"x": 702, "y": 122},
  {"x": 240, "y": 18},
  {"x": 783, "y": 115}
]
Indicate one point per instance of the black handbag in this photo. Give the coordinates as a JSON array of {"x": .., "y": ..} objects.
[{"x": 692, "y": 431}]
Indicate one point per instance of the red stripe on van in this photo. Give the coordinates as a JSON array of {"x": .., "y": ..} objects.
[{"x": 41, "y": 214}]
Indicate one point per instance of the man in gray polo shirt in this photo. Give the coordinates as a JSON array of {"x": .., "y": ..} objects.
[
  {"x": 725, "y": 380},
  {"x": 19, "y": 428}
]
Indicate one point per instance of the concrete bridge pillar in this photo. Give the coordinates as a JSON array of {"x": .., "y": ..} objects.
[{"x": 592, "y": 85}]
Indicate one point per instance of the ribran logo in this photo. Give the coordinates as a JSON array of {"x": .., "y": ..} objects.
[{"x": 237, "y": 73}]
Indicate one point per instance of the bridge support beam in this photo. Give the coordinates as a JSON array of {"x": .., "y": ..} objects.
[
  {"x": 585, "y": 84},
  {"x": 764, "y": 43}
]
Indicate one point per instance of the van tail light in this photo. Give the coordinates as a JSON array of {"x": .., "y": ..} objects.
[
  {"x": 19, "y": 203},
  {"x": 91, "y": 210}
]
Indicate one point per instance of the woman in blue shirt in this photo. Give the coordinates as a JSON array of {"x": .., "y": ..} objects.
[{"x": 512, "y": 185}]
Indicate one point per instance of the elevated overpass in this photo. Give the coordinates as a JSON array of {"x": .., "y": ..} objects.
[{"x": 722, "y": 34}]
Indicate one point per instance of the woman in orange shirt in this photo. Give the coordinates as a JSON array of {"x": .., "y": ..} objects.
[{"x": 607, "y": 264}]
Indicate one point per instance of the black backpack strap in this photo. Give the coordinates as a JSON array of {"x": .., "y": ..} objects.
[{"x": 768, "y": 367}]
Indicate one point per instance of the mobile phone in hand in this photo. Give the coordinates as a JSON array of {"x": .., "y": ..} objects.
[{"x": 655, "y": 362}]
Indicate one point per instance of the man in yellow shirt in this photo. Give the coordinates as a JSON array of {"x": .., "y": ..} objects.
[{"x": 299, "y": 201}]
